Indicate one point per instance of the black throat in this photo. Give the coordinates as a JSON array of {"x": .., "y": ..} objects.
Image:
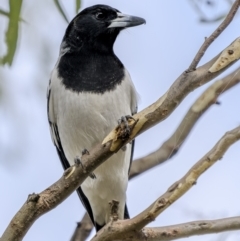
[{"x": 90, "y": 70}]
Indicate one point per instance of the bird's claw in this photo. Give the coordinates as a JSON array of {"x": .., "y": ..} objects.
[
  {"x": 85, "y": 152},
  {"x": 78, "y": 162},
  {"x": 92, "y": 175},
  {"x": 33, "y": 197},
  {"x": 124, "y": 126}
]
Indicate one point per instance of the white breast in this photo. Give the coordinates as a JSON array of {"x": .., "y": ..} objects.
[{"x": 84, "y": 120}]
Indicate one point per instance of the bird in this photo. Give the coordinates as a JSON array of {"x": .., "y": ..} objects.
[{"x": 89, "y": 90}]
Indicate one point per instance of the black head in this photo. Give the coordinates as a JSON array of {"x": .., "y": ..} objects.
[{"x": 97, "y": 26}]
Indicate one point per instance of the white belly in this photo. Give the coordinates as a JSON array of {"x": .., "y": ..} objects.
[{"x": 83, "y": 121}]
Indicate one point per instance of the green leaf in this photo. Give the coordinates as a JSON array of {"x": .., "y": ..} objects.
[
  {"x": 11, "y": 35},
  {"x": 59, "y": 7},
  {"x": 78, "y": 5}
]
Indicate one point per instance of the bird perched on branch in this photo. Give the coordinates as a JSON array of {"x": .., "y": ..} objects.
[{"x": 89, "y": 91}]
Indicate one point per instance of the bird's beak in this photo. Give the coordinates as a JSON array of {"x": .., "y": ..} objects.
[{"x": 126, "y": 21}]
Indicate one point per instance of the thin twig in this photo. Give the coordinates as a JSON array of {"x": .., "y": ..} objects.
[
  {"x": 197, "y": 8},
  {"x": 214, "y": 35}
]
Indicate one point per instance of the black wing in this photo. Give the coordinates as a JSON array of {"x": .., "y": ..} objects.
[
  {"x": 57, "y": 142},
  {"x": 126, "y": 213}
]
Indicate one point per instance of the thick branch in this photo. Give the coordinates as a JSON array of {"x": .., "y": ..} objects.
[
  {"x": 185, "y": 230},
  {"x": 75, "y": 175},
  {"x": 186, "y": 83},
  {"x": 123, "y": 228},
  {"x": 214, "y": 35},
  {"x": 200, "y": 106},
  {"x": 185, "y": 183}
]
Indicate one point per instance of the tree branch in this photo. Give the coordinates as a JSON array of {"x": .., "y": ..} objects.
[
  {"x": 214, "y": 35},
  {"x": 185, "y": 230},
  {"x": 75, "y": 175},
  {"x": 185, "y": 83},
  {"x": 83, "y": 229},
  {"x": 123, "y": 229},
  {"x": 171, "y": 146}
]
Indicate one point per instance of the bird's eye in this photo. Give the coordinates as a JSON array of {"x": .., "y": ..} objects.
[{"x": 100, "y": 16}]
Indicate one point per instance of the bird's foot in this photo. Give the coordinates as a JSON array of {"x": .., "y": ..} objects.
[
  {"x": 123, "y": 125},
  {"x": 85, "y": 152},
  {"x": 78, "y": 162},
  {"x": 33, "y": 197},
  {"x": 114, "y": 208}
]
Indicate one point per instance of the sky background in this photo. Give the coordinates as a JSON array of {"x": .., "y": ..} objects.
[{"x": 155, "y": 55}]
